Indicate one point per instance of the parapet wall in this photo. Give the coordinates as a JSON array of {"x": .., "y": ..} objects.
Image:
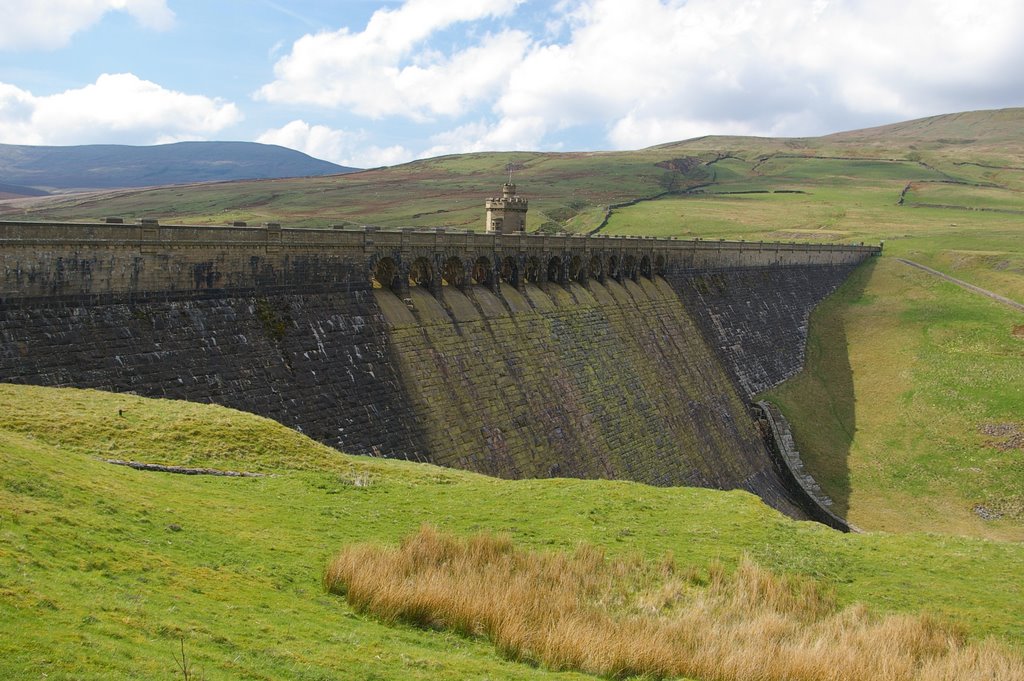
[{"x": 48, "y": 260}]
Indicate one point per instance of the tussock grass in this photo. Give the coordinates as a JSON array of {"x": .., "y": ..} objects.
[{"x": 624, "y": 617}]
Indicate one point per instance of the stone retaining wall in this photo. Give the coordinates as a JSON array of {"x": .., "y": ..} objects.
[{"x": 782, "y": 446}]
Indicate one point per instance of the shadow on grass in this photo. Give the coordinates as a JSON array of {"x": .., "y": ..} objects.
[{"x": 819, "y": 401}]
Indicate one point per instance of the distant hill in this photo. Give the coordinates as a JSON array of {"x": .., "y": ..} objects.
[
  {"x": 9, "y": 191},
  {"x": 576, "y": 191},
  {"x": 996, "y": 131},
  {"x": 110, "y": 166},
  {"x": 968, "y": 127}
]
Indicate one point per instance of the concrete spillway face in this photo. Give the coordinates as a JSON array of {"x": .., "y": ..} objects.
[{"x": 603, "y": 381}]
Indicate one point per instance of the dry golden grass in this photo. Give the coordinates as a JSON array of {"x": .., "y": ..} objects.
[{"x": 623, "y": 617}]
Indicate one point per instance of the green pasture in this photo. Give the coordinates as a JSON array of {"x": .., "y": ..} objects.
[
  {"x": 840, "y": 171},
  {"x": 966, "y": 196},
  {"x": 980, "y": 246},
  {"x": 1008, "y": 178}
]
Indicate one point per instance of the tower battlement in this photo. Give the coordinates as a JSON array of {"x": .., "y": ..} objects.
[{"x": 506, "y": 214}]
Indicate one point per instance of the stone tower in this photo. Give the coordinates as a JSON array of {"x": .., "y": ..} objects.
[{"x": 507, "y": 215}]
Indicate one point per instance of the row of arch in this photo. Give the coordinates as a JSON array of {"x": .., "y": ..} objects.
[{"x": 454, "y": 271}]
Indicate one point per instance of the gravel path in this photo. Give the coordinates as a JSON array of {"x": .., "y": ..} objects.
[{"x": 963, "y": 284}]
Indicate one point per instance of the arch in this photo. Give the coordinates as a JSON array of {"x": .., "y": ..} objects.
[
  {"x": 576, "y": 271},
  {"x": 453, "y": 273},
  {"x": 612, "y": 271},
  {"x": 645, "y": 267},
  {"x": 385, "y": 274},
  {"x": 629, "y": 267},
  {"x": 509, "y": 271},
  {"x": 421, "y": 273},
  {"x": 481, "y": 271},
  {"x": 555, "y": 269},
  {"x": 595, "y": 270},
  {"x": 533, "y": 270},
  {"x": 659, "y": 265}
]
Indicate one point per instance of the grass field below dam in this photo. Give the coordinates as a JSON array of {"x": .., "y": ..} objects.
[
  {"x": 909, "y": 407},
  {"x": 106, "y": 569}
]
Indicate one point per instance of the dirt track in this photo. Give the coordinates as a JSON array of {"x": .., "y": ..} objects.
[{"x": 963, "y": 284}]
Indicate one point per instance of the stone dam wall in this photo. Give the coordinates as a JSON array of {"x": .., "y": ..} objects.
[
  {"x": 512, "y": 355},
  {"x": 756, "y": 318}
]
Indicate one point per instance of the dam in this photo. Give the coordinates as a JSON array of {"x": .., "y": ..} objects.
[{"x": 510, "y": 354}]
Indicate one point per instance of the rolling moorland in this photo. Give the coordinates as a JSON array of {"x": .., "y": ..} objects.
[{"x": 909, "y": 413}]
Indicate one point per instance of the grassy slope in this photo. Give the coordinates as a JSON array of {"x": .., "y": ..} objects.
[
  {"x": 903, "y": 372},
  {"x": 979, "y": 246},
  {"x": 96, "y": 582},
  {"x": 572, "y": 189}
]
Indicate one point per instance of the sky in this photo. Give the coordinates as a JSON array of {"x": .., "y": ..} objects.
[{"x": 367, "y": 83}]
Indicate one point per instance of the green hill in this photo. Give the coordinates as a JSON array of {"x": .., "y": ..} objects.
[
  {"x": 978, "y": 132},
  {"x": 105, "y": 570},
  {"x": 969, "y": 128},
  {"x": 565, "y": 190}
]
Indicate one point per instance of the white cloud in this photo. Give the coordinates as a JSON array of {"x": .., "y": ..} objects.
[
  {"x": 337, "y": 146},
  {"x": 651, "y": 71},
  {"x": 508, "y": 134},
  {"x": 48, "y": 24},
  {"x": 638, "y": 72},
  {"x": 632, "y": 132},
  {"x": 117, "y": 108},
  {"x": 378, "y": 72}
]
